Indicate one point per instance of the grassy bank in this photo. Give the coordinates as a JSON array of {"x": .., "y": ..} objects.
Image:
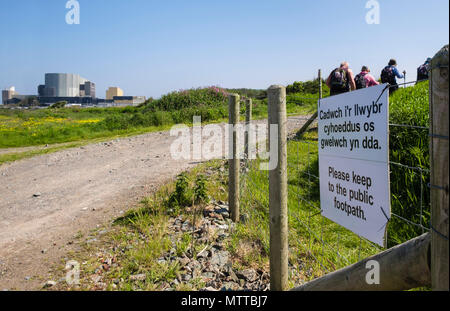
[
  {"x": 409, "y": 147},
  {"x": 53, "y": 126},
  {"x": 41, "y": 127}
]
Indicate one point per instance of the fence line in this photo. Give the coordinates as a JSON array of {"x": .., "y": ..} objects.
[
  {"x": 323, "y": 246},
  {"x": 417, "y": 170}
]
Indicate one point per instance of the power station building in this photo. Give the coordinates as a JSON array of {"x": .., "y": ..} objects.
[
  {"x": 72, "y": 89},
  {"x": 128, "y": 100},
  {"x": 8, "y": 94},
  {"x": 113, "y": 91},
  {"x": 66, "y": 85}
]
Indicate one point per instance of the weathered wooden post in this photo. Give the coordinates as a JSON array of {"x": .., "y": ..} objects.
[
  {"x": 278, "y": 212},
  {"x": 248, "y": 121},
  {"x": 234, "y": 161},
  {"x": 439, "y": 170}
]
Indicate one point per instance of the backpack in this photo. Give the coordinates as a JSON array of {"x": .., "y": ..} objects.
[
  {"x": 388, "y": 76},
  {"x": 360, "y": 81},
  {"x": 422, "y": 72},
  {"x": 339, "y": 79}
]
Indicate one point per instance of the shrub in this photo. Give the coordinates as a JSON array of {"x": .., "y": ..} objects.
[
  {"x": 161, "y": 118},
  {"x": 181, "y": 197},
  {"x": 307, "y": 87},
  {"x": 211, "y": 97},
  {"x": 58, "y": 105},
  {"x": 201, "y": 191},
  {"x": 117, "y": 122}
]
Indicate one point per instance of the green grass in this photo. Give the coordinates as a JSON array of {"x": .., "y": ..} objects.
[
  {"x": 41, "y": 149},
  {"x": 410, "y": 147},
  {"x": 11, "y": 157},
  {"x": 34, "y": 128},
  {"x": 24, "y": 128}
]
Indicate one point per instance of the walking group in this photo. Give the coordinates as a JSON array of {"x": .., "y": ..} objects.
[{"x": 342, "y": 79}]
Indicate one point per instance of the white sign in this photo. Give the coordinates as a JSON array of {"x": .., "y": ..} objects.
[{"x": 353, "y": 161}]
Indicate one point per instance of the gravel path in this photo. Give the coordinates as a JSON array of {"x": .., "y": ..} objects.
[{"x": 46, "y": 200}]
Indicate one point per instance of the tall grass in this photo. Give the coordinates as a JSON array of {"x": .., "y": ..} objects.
[{"x": 410, "y": 147}]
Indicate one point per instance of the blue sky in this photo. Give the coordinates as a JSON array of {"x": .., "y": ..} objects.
[{"x": 149, "y": 47}]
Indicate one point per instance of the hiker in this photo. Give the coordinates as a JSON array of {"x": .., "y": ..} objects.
[
  {"x": 423, "y": 70},
  {"x": 341, "y": 80},
  {"x": 389, "y": 75},
  {"x": 365, "y": 79}
]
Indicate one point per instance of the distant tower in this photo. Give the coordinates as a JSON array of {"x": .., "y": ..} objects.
[
  {"x": 41, "y": 90},
  {"x": 89, "y": 89}
]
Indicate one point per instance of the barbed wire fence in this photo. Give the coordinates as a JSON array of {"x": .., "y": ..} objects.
[{"x": 318, "y": 246}]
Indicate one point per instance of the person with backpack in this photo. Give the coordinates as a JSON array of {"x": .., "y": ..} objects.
[
  {"x": 341, "y": 80},
  {"x": 423, "y": 70},
  {"x": 365, "y": 79},
  {"x": 389, "y": 75}
]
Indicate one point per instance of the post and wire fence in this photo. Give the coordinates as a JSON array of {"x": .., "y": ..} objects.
[
  {"x": 311, "y": 252},
  {"x": 329, "y": 246}
]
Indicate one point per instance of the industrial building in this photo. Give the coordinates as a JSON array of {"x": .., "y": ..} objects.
[
  {"x": 66, "y": 85},
  {"x": 47, "y": 101},
  {"x": 89, "y": 89},
  {"x": 128, "y": 100},
  {"x": 72, "y": 89},
  {"x": 113, "y": 91},
  {"x": 8, "y": 94}
]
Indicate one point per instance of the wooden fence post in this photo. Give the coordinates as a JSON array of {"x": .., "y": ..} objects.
[
  {"x": 234, "y": 162},
  {"x": 278, "y": 191},
  {"x": 439, "y": 170},
  {"x": 248, "y": 121}
]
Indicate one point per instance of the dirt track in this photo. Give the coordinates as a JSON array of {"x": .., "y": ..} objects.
[{"x": 46, "y": 200}]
